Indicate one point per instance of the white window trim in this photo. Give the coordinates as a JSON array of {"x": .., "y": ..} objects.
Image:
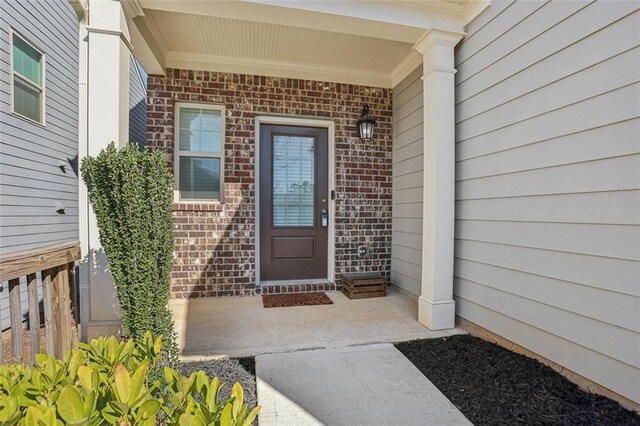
[
  {"x": 176, "y": 150},
  {"x": 13, "y": 75}
]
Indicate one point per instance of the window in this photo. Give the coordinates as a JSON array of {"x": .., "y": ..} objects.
[
  {"x": 27, "y": 79},
  {"x": 199, "y": 160}
]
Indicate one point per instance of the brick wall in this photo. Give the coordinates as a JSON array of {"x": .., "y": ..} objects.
[{"x": 214, "y": 253}]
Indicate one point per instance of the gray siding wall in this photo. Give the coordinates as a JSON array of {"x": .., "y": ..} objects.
[
  {"x": 547, "y": 179},
  {"x": 406, "y": 261},
  {"x": 31, "y": 180},
  {"x": 137, "y": 106}
]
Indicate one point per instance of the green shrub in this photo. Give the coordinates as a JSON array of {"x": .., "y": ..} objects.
[
  {"x": 107, "y": 382},
  {"x": 131, "y": 192}
]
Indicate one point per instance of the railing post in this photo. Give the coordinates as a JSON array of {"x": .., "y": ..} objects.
[
  {"x": 56, "y": 303},
  {"x": 34, "y": 315},
  {"x": 61, "y": 287},
  {"x": 49, "y": 323},
  {"x": 15, "y": 311},
  {"x": 75, "y": 311}
]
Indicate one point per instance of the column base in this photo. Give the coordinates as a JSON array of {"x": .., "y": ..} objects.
[
  {"x": 437, "y": 315},
  {"x": 97, "y": 329}
]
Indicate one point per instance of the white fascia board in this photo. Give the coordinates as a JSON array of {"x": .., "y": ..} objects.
[
  {"x": 132, "y": 8},
  {"x": 277, "y": 69},
  {"x": 474, "y": 9},
  {"x": 148, "y": 48},
  {"x": 412, "y": 61},
  {"x": 430, "y": 14},
  {"x": 81, "y": 7}
]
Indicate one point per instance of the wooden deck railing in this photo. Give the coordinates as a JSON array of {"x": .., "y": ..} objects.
[{"x": 56, "y": 265}]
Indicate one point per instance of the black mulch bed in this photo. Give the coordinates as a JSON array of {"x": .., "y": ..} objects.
[
  {"x": 230, "y": 371},
  {"x": 494, "y": 386}
]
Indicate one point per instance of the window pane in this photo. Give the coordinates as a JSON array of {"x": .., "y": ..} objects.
[
  {"x": 293, "y": 181},
  {"x": 199, "y": 178},
  {"x": 200, "y": 130},
  {"x": 26, "y": 100},
  {"x": 27, "y": 61}
]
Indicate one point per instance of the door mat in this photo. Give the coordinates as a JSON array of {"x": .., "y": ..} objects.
[{"x": 296, "y": 299}]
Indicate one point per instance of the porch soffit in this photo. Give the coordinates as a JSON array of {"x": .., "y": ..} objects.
[{"x": 357, "y": 42}]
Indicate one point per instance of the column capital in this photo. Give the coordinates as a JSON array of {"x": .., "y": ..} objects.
[
  {"x": 438, "y": 36},
  {"x": 108, "y": 17}
]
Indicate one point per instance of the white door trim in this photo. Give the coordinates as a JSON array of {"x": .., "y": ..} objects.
[{"x": 301, "y": 122}]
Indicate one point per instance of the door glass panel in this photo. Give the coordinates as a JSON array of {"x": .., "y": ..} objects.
[{"x": 293, "y": 181}]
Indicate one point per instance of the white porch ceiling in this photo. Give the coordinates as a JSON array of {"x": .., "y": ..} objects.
[
  {"x": 359, "y": 42},
  {"x": 226, "y": 39}
]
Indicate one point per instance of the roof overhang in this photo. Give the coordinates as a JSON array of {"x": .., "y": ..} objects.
[
  {"x": 80, "y": 7},
  {"x": 359, "y": 42}
]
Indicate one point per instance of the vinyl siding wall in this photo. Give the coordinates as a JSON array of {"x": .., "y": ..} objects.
[
  {"x": 31, "y": 179},
  {"x": 406, "y": 261},
  {"x": 137, "y": 105},
  {"x": 547, "y": 183}
]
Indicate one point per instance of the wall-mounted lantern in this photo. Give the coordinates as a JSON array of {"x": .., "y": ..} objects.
[{"x": 366, "y": 125}]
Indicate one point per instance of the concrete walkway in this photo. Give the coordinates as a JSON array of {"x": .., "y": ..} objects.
[
  {"x": 241, "y": 326},
  {"x": 361, "y": 385}
]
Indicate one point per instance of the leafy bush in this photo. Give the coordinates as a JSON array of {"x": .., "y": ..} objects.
[
  {"x": 131, "y": 193},
  {"x": 228, "y": 370},
  {"x": 107, "y": 382}
]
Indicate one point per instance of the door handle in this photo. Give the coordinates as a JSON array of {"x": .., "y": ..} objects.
[{"x": 324, "y": 218}]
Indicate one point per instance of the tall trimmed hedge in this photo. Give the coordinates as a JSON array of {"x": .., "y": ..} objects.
[{"x": 131, "y": 192}]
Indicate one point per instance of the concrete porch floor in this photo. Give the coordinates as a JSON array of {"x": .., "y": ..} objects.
[{"x": 241, "y": 326}]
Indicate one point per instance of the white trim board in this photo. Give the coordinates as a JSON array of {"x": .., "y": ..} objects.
[
  {"x": 201, "y": 62},
  {"x": 412, "y": 61},
  {"x": 301, "y": 122}
]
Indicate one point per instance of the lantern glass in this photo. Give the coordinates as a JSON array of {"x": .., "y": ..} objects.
[
  {"x": 365, "y": 125},
  {"x": 366, "y": 130}
]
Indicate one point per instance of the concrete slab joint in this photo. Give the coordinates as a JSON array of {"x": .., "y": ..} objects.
[{"x": 436, "y": 307}]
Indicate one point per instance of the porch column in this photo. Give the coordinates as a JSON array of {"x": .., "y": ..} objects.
[
  {"x": 436, "y": 308},
  {"x": 104, "y": 118}
]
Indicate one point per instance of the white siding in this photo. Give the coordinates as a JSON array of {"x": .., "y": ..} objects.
[
  {"x": 548, "y": 183},
  {"x": 406, "y": 269}
]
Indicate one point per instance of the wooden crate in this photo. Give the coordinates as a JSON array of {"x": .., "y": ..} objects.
[{"x": 363, "y": 286}]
